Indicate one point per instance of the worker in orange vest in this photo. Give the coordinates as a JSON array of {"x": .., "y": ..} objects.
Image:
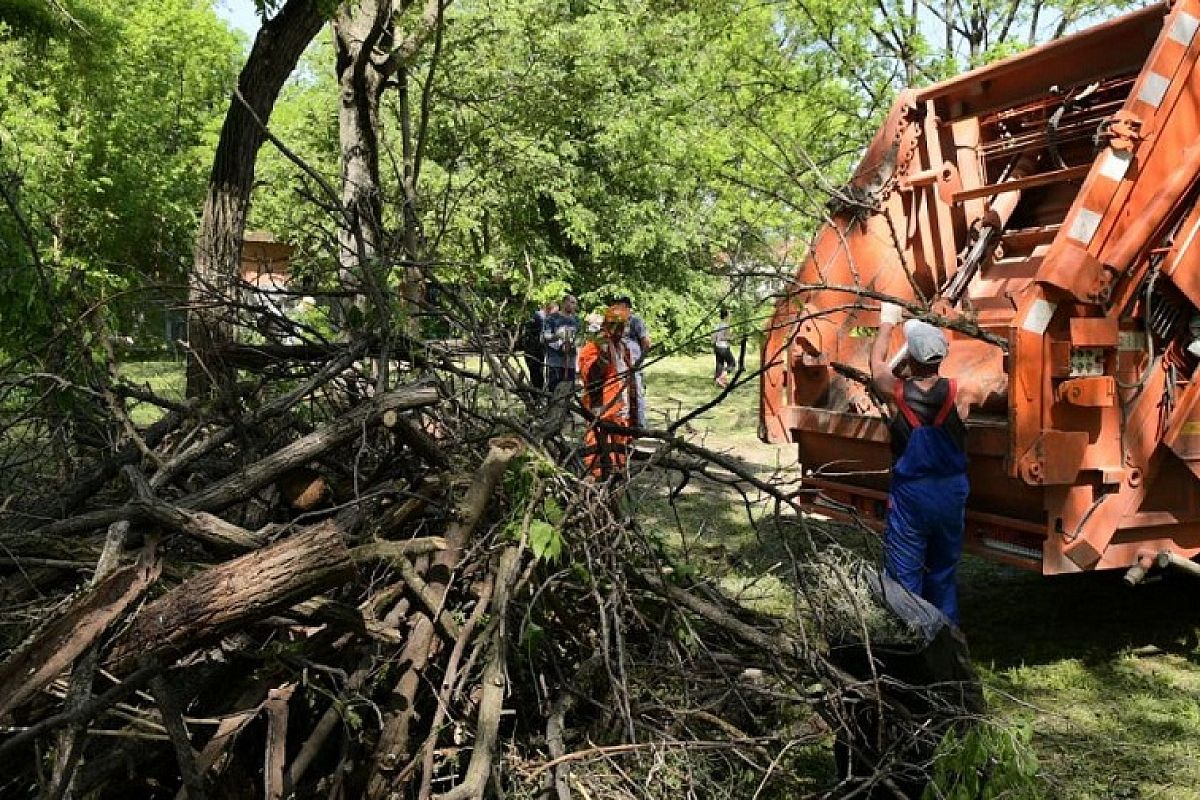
[{"x": 606, "y": 370}]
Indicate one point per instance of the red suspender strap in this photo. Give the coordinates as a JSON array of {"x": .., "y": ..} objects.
[
  {"x": 901, "y": 404},
  {"x": 947, "y": 405}
]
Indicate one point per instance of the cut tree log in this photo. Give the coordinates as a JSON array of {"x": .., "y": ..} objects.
[{"x": 208, "y": 605}]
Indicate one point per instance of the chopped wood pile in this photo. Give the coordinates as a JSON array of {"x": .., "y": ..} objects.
[{"x": 339, "y": 584}]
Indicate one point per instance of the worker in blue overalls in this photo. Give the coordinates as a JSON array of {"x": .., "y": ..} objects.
[{"x": 927, "y": 501}]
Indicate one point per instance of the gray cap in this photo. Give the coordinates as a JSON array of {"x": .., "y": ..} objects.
[{"x": 926, "y": 344}]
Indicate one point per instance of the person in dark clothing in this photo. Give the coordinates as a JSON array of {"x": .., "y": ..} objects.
[
  {"x": 560, "y": 333},
  {"x": 927, "y": 500},
  {"x": 723, "y": 350},
  {"x": 533, "y": 346},
  {"x": 637, "y": 338}
]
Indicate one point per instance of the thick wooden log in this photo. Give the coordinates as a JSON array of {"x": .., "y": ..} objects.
[
  {"x": 242, "y": 484},
  {"x": 208, "y": 605}
]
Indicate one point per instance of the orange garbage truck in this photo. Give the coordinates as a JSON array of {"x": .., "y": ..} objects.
[{"x": 1045, "y": 210}]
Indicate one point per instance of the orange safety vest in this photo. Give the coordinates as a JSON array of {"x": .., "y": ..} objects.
[{"x": 609, "y": 394}]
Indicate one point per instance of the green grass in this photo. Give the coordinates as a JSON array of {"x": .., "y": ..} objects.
[
  {"x": 164, "y": 378},
  {"x": 1107, "y": 677},
  {"x": 708, "y": 527},
  {"x": 677, "y": 384}
]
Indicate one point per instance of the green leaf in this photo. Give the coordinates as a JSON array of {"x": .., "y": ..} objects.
[
  {"x": 532, "y": 637},
  {"x": 544, "y": 540}
]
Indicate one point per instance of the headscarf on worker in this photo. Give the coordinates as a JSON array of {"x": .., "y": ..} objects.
[{"x": 608, "y": 395}]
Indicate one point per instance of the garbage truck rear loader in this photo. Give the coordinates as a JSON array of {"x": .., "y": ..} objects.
[{"x": 1045, "y": 209}]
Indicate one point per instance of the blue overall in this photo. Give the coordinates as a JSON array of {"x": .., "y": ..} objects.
[{"x": 924, "y": 536}]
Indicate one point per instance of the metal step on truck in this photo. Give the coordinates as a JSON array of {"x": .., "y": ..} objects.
[{"x": 1044, "y": 210}]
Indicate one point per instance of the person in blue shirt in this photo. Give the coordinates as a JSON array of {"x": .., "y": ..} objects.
[
  {"x": 926, "y": 519},
  {"x": 637, "y": 339},
  {"x": 561, "y": 333}
]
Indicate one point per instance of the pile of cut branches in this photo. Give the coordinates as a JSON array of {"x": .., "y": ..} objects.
[{"x": 353, "y": 576}]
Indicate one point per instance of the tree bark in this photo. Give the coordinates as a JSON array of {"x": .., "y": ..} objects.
[
  {"x": 368, "y": 55},
  {"x": 359, "y": 28},
  {"x": 217, "y": 259},
  {"x": 218, "y": 600}
]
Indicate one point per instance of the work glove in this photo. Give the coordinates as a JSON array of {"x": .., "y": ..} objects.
[{"x": 889, "y": 314}]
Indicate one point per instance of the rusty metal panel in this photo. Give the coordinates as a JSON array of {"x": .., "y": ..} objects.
[
  {"x": 1090, "y": 392},
  {"x": 1095, "y": 331}
]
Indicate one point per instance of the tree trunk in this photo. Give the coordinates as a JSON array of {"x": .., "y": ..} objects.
[
  {"x": 359, "y": 28},
  {"x": 413, "y": 288},
  {"x": 209, "y": 605},
  {"x": 368, "y": 54},
  {"x": 277, "y": 48}
]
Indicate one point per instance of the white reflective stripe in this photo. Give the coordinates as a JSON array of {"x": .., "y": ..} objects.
[
  {"x": 1184, "y": 29},
  {"x": 1083, "y": 228},
  {"x": 1115, "y": 164},
  {"x": 1038, "y": 318},
  {"x": 1154, "y": 89}
]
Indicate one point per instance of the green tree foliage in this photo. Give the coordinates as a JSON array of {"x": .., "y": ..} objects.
[
  {"x": 661, "y": 150},
  {"x": 618, "y": 147},
  {"x": 632, "y": 148},
  {"x": 927, "y": 40},
  {"x": 668, "y": 151},
  {"x": 108, "y": 111}
]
